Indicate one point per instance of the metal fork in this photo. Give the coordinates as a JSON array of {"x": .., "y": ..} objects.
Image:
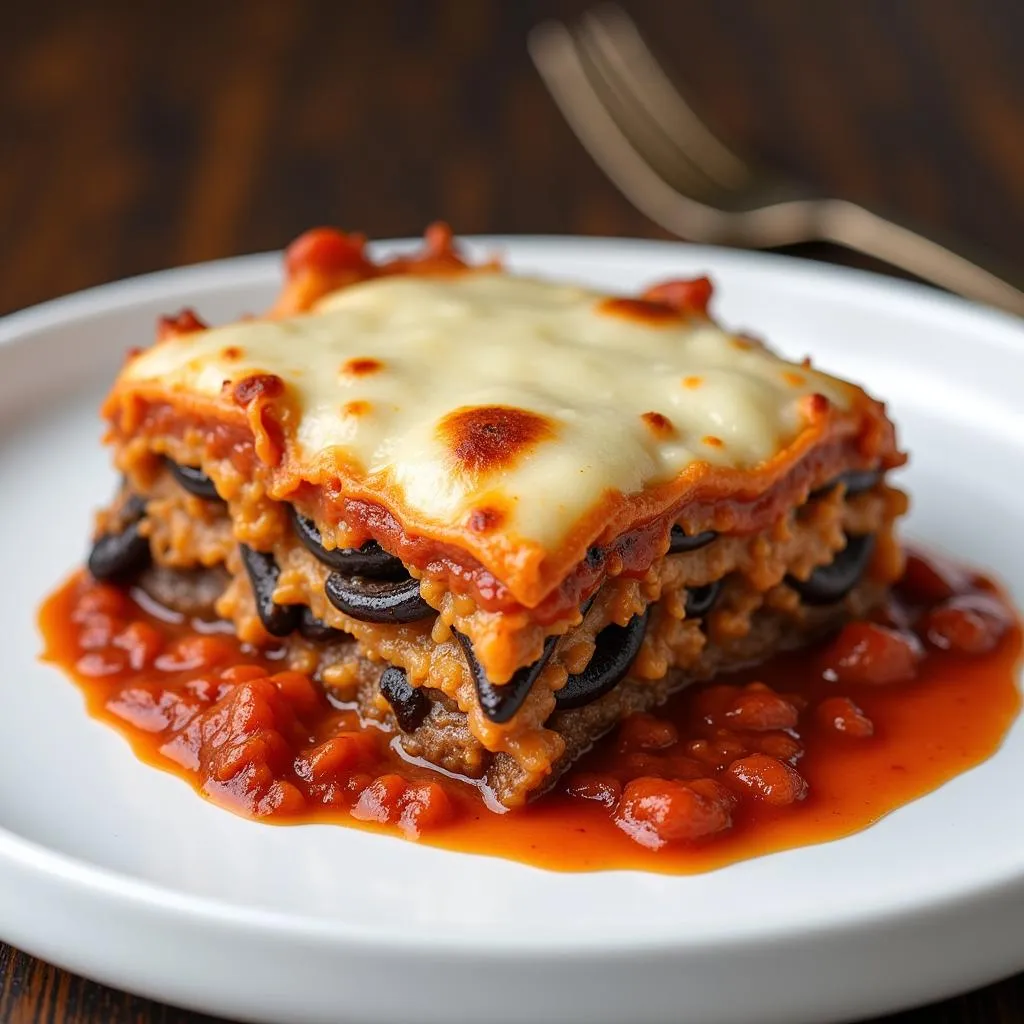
[{"x": 638, "y": 128}]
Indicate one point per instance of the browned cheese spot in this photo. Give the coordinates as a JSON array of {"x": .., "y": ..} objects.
[
  {"x": 356, "y": 408},
  {"x": 659, "y": 424},
  {"x": 692, "y": 382},
  {"x": 486, "y": 438},
  {"x": 259, "y": 385},
  {"x": 362, "y": 367},
  {"x": 232, "y": 353},
  {"x": 714, "y": 442},
  {"x": 644, "y": 310},
  {"x": 796, "y": 379}
]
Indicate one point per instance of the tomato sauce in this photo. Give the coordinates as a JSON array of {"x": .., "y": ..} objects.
[{"x": 809, "y": 747}]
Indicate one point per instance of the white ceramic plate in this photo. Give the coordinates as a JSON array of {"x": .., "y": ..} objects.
[{"x": 119, "y": 872}]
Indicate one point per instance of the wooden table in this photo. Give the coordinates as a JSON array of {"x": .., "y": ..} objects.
[{"x": 134, "y": 139}]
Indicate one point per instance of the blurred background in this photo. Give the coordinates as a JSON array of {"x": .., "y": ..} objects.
[{"x": 137, "y": 136}]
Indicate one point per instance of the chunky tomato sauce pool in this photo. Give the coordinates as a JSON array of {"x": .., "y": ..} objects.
[{"x": 808, "y": 747}]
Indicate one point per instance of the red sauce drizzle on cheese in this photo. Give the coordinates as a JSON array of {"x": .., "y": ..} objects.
[{"x": 809, "y": 747}]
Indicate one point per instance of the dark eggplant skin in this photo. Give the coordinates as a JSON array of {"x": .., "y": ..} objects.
[
  {"x": 831, "y": 583},
  {"x": 616, "y": 650},
  {"x": 370, "y": 561},
  {"x": 119, "y": 556},
  {"x": 377, "y": 600},
  {"x": 700, "y": 600},
  {"x": 500, "y": 701},
  {"x": 277, "y": 619},
  {"x": 409, "y": 704},
  {"x": 856, "y": 481},
  {"x": 680, "y": 541},
  {"x": 193, "y": 480}
]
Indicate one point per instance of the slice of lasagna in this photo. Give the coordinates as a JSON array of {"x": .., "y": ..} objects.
[{"x": 496, "y": 513}]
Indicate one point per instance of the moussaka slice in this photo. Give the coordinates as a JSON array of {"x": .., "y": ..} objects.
[{"x": 495, "y": 513}]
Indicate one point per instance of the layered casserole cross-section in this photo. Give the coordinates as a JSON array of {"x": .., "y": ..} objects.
[{"x": 495, "y": 513}]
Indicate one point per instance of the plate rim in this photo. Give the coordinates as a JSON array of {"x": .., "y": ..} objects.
[
  {"x": 151, "y": 284},
  {"x": 203, "y": 279}
]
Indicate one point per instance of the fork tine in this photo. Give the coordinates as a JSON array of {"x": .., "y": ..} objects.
[
  {"x": 635, "y": 122},
  {"x": 561, "y": 66},
  {"x": 624, "y": 50}
]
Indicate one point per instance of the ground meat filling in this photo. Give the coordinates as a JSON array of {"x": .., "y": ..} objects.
[
  {"x": 192, "y": 593},
  {"x": 713, "y": 601}
]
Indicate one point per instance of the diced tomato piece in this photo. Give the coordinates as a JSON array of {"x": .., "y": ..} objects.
[
  {"x": 840, "y": 714},
  {"x": 99, "y": 632},
  {"x": 711, "y": 703},
  {"x": 243, "y": 673},
  {"x": 141, "y": 642},
  {"x": 865, "y": 652},
  {"x": 340, "y": 754},
  {"x": 97, "y": 664},
  {"x": 767, "y": 779},
  {"x": 103, "y": 599},
  {"x": 779, "y": 745},
  {"x": 646, "y": 732},
  {"x": 727, "y": 745},
  {"x": 928, "y": 581},
  {"x": 654, "y": 812},
  {"x": 380, "y": 801},
  {"x": 197, "y": 652},
  {"x": 298, "y": 689},
  {"x": 967, "y": 623},
  {"x": 424, "y": 806},
  {"x": 758, "y": 708},
  {"x": 281, "y": 798}
]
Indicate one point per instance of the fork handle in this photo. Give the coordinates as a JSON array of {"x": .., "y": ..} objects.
[{"x": 857, "y": 227}]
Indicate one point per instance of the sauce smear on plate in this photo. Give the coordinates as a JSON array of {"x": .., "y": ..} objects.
[{"x": 811, "y": 746}]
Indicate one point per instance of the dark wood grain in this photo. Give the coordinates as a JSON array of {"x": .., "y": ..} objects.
[{"x": 135, "y": 137}]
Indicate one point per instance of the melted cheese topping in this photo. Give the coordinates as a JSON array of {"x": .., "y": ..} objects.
[{"x": 487, "y": 402}]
